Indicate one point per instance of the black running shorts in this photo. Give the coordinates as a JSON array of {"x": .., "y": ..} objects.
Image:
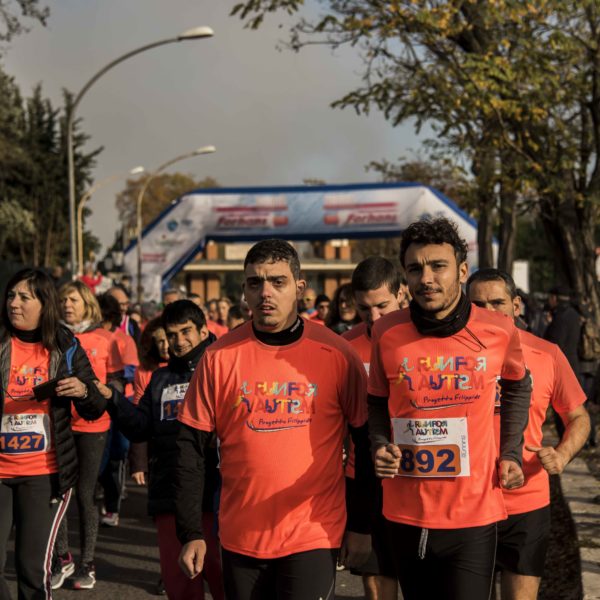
[
  {"x": 443, "y": 564},
  {"x": 302, "y": 576},
  {"x": 523, "y": 542}
]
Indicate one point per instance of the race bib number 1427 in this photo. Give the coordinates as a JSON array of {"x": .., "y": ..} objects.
[{"x": 432, "y": 447}]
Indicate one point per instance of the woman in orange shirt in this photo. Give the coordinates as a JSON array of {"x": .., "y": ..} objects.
[
  {"x": 38, "y": 461},
  {"x": 81, "y": 314}
]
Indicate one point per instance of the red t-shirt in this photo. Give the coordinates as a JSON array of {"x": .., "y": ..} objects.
[
  {"x": 101, "y": 352},
  {"x": 141, "y": 380},
  {"x": 554, "y": 382},
  {"x": 26, "y": 437},
  {"x": 441, "y": 401},
  {"x": 280, "y": 414},
  {"x": 217, "y": 329},
  {"x": 126, "y": 355},
  {"x": 358, "y": 338}
]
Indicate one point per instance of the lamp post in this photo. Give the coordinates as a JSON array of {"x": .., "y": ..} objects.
[
  {"x": 191, "y": 34},
  {"x": 81, "y": 205},
  {"x": 140, "y": 200}
]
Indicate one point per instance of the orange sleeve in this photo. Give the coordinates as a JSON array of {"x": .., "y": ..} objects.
[
  {"x": 567, "y": 394},
  {"x": 354, "y": 390},
  {"x": 378, "y": 383},
  {"x": 141, "y": 379},
  {"x": 198, "y": 408},
  {"x": 514, "y": 363},
  {"x": 114, "y": 363},
  {"x": 130, "y": 354}
]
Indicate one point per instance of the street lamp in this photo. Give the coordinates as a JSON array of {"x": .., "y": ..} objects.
[
  {"x": 191, "y": 34},
  {"x": 81, "y": 205},
  {"x": 140, "y": 200}
]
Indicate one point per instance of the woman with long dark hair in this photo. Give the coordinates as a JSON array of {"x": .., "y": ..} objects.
[
  {"x": 342, "y": 311},
  {"x": 38, "y": 459}
]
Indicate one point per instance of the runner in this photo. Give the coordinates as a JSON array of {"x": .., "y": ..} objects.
[
  {"x": 38, "y": 457},
  {"x": 433, "y": 371},
  {"x": 154, "y": 420},
  {"x": 376, "y": 287},
  {"x": 523, "y": 537},
  {"x": 278, "y": 391},
  {"x": 81, "y": 314}
]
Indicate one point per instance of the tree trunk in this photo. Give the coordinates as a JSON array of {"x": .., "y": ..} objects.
[
  {"x": 508, "y": 228},
  {"x": 571, "y": 224},
  {"x": 484, "y": 170}
]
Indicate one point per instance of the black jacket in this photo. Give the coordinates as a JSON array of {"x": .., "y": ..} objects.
[
  {"x": 145, "y": 422},
  {"x": 565, "y": 331},
  {"x": 69, "y": 360}
]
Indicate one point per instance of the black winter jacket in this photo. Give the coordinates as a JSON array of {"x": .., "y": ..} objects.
[
  {"x": 69, "y": 360},
  {"x": 155, "y": 422}
]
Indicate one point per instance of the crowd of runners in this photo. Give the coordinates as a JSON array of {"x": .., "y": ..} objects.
[{"x": 394, "y": 429}]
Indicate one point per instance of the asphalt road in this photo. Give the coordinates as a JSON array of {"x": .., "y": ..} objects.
[{"x": 127, "y": 558}]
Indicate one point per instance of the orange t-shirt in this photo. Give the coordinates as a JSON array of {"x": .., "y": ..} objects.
[
  {"x": 358, "y": 338},
  {"x": 26, "y": 436},
  {"x": 141, "y": 380},
  {"x": 280, "y": 414},
  {"x": 441, "y": 401},
  {"x": 554, "y": 382},
  {"x": 217, "y": 329},
  {"x": 101, "y": 351},
  {"x": 126, "y": 355}
]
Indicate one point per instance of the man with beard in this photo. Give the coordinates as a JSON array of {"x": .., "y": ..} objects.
[
  {"x": 433, "y": 373},
  {"x": 279, "y": 392}
]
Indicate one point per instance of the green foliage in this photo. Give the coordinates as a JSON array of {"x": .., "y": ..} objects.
[
  {"x": 33, "y": 175},
  {"x": 12, "y": 13},
  {"x": 511, "y": 87}
]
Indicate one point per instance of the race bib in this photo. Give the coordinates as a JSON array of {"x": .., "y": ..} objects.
[
  {"x": 172, "y": 396},
  {"x": 24, "y": 434},
  {"x": 432, "y": 447}
]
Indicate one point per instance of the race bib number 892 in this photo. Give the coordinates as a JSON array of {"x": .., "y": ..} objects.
[{"x": 432, "y": 447}]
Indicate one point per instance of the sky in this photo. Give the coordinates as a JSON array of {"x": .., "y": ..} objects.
[{"x": 265, "y": 109}]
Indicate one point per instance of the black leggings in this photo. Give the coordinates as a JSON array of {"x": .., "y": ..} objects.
[
  {"x": 28, "y": 502},
  {"x": 90, "y": 448},
  {"x": 303, "y": 576},
  {"x": 445, "y": 564}
]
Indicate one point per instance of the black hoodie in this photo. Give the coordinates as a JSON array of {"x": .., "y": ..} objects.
[{"x": 154, "y": 420}]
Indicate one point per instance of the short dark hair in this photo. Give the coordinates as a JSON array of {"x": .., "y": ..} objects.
[
  {"x": 42, "y": 288},
  {"x": 434, "y": 231},
  {"x": 374, "y": 272},
  {"x": 321, "y": 298},
  {"x": 270, "y": 251},
  {"x": 235, "y": 312},
  {"x": 180, "y": 312},
  {"x": 110, "y": 309},
  {"x": 490, "y": 274}
]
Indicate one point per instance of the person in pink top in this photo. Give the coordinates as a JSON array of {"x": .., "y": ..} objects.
[{"x": 91, "y": 278}]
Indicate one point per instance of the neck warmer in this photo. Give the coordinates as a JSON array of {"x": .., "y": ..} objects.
[
  {"x": 79, "y": 327},
  {"x": 426, "y": 324},
  {"x": 33, "y": 336},
  {"x": 281, "y": 338}
]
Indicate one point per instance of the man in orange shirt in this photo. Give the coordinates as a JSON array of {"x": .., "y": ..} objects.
[
  {"x": 523, "y": 537},
  {"x": 376, "y": 287},
  {"x": 279, "y": 392},
  {"x": 433, "y": 374}
]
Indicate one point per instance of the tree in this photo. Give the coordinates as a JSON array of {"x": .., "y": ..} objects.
[
  {"x": 11, "y": 23},
  {"x": 510, "y": 86},
  {"x": 33, "y": 175},
  {"x": 160, "y": 193}
]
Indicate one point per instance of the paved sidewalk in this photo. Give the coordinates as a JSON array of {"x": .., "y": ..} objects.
[{"x": 582, "y": 492}]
